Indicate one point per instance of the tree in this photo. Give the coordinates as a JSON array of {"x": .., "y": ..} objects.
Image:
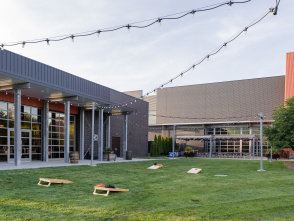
[
  {"x": 280, "y": 134},
  {"x": 159, "y": 145}
]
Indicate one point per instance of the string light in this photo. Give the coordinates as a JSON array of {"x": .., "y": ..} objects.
[
  {"x": 229, "y": 4},
  {"x": 214, "y": 51},
  {"x": 245, "y": 30},
  {"x": 158, "y": 20}
]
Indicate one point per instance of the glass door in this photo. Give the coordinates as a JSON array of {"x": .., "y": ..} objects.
[{"x": 26, "y": 145}]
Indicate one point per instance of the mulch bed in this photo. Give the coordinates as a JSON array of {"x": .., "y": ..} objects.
[{"x": 290, "y": 165}]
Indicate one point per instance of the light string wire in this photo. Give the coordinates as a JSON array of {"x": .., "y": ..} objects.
[
  {"x": 272, "y": 10},
  {"x": 128, "y": 26},
  {"x": 214, "y": 52}
]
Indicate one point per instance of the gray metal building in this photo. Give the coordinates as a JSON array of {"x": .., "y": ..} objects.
[
  {"x": 45, "y": 113},
  {"x": 222, "y": 115}
]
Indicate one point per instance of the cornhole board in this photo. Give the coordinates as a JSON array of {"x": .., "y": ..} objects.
[
  {"x": 107, "y": 190},
  {"x": 155, "y": 167},
  {"x": 49, "y": 181},
  {"x": 195, "y": 170}
]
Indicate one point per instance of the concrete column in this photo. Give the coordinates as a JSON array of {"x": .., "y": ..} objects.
[
  {"x": 174, "y": 139},
  {"x": 82, "y": 133},
  {"x": 17, "y": 127},
  {"x": 92, "y": 142},
  {"x": 46, "y": 131},
  {"x": 253, "y": 147},
  {"x": 100, "y": 139},
  {"x": 210, "y": 150},
  {"x": 125, "y": 137},
  {"x": 250, "y": 142},
  {"x": 66, "y": 130},
  {"x": 108, "y": 144}
]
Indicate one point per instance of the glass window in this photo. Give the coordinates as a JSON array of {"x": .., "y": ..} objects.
[
  {"x": 11, "y": 115},
  {"x": 26, "y": 109},
  {"x": 3, "y": 114},
  {"x": 11, "y": 106},
  {"x": 56, "y": 130},
  {"x": 3, "y": 105},
  {"x": 3, "y": 123},
  {"x": 34, "y": 111}
]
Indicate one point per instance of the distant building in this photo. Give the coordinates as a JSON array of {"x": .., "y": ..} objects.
[{"x": 219, "y": 117}]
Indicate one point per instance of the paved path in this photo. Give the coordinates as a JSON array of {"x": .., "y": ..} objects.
[{"x": 59, "y": 163}]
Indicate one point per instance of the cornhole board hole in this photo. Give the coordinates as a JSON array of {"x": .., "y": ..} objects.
[
  {"x": 195, "y": 170},
  {"x": 107, "y": 190},
  {"x": 155, "y": 167},
  {"x": 49, "y": 181}
]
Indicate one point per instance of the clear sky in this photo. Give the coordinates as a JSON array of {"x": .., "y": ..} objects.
[{"x": 143, "y": 59}]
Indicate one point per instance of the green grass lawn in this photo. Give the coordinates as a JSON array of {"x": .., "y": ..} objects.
[{"x": 169, "y": 193}]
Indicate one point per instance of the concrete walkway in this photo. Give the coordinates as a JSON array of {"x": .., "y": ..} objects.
[{"x": 59, "y": 163}]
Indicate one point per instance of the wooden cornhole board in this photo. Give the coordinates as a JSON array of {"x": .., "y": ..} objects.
[
  {"x": 155, "y": 167},
  {"x": 49, "y": 181},
  {"x": 195, "y": 170},
  {"x": 107, "y": 190}
]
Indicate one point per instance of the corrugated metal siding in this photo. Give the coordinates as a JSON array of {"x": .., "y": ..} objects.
[
  {"x": 19, "y": 67},
  {"x": 137, "y": 125},
  {"x": 289, "y": 78},
  {"x": 232, "y": 100},
  {"x": 152, "y": 102}
]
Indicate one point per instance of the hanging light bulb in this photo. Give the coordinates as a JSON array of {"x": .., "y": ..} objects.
[
  {"x": 193, "y": 13},
  {"x": 245, "y": 30},
  {"x": 47, "y": 41},
  {"x": 6, "y": 92},
  {"x": 23, "y": 44},
  {"x": 128, "y": 27},
  {"x": 272, "y": 11},
  {"x": 2, "y": 47},
  {"x": 229, "y": 4},
  {"x": 159, "y": 21},
  {"x": 28, "y": 98},
  {"x": 207, "y": 57},
  {"x": 72, "y": 38},
  {"x": 225, "y": 45},
  {"x": 98, "y": 33},
  {"x": 181, "y": 74}
]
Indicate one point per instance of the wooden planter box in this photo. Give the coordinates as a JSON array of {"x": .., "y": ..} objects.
[{"x": 109, "y": 156}]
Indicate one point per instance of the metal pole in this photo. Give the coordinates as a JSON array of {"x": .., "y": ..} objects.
[
  {"x": 125, "y": 137},
  {"x": 261, "y": 143},
  {"x": 66, "y": 131},
  {"x": 17, "y": 127},
  {"x": 253, "y": 147},
  {"x": 174, "y": 134},
  {"x": 210, "y": 144},
  {"x": 271, "y": 154},
  {"x": 46, "y": 132},
  {"x": 92, "y": 143},
  {"x": 100, "y": 145},
  {"x": 82, "y": 133}
]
